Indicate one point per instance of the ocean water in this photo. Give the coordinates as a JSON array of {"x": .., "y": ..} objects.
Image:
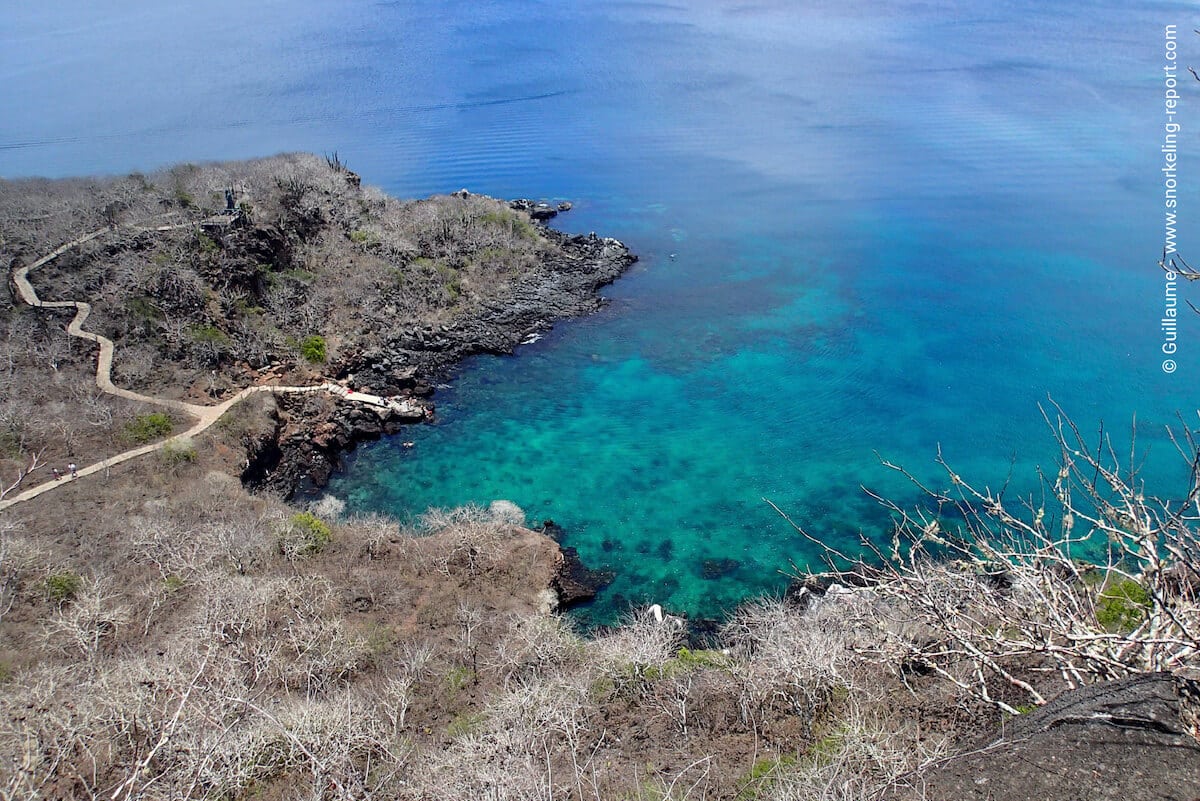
[{"x": 866, "y": 232}]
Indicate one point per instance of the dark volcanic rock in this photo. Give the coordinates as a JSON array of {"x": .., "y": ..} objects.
[
  {"x": 260, "y": 438},
  {"x": 536, "y": 210},
  {"x": 575, "y": 582},
  {"x": 566, "y": 285},
  {"x": 553, "y": 530},
  {"x": 1130, "y": 739},
  {"x": 311, "y": 432}
]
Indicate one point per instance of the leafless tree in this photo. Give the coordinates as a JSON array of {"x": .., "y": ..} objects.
[
  {"x": 1011, "y": 590},
  {"x": 23, "y": 472},
  {"x": 82, "y": 625}
]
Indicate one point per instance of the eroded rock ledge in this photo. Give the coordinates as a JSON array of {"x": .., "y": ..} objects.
[{"x": 1128, "y": 739}]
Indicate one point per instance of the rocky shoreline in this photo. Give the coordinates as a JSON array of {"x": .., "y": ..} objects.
[{"x": 298, "y": 441}]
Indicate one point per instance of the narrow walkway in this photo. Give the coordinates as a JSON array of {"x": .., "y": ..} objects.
[{"x": 205, "y": 415}]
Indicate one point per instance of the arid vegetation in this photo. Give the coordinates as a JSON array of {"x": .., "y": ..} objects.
[{"x": 206, "y": 656}]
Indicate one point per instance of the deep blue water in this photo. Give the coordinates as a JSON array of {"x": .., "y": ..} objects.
[{"x": 864, "y": 230}]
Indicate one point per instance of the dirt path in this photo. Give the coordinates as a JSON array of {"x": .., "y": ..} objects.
[{"x": 205, "y": 415}]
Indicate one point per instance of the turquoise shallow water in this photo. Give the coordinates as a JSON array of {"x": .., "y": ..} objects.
[{"x": 865, "y": 231}]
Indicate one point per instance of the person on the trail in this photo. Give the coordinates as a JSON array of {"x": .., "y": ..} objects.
[
  {"x": 72, "y": 468},
  {"x": 57, "y": 473}
]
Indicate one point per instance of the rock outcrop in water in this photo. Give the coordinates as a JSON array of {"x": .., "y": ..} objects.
[
  {"x": 565, "y": 285},
  {"x": 574, "y": 582}
]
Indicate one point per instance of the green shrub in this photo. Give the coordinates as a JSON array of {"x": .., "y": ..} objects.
[
  {"x": 208, "y": 334},
  {"x": 686, "y": 661},
  {"x": 143, "y": 310},
  {"x": 207, "y": 244},
  {"x": 525, "y": 230},
  {"x": 11, "y": 442},
  {"x": 1122, "y": 605},
  {"x": 824, "y": 749},
  {"x": 498, "y": 217},
  {"x": 702, "y": 658},
  {"x": 510, "y": 221},
  {"x": 179, "y": 452},
  {"x": 292, "y": 278},
  {"x": 464, "y": 724},
  {"x": 762, "y": 775},
  {"x": 303, "y": 535},
  {"x": 63, "y": 586},
  {"x": 458, "y": 678},
  {"x": 379, "y": 640},
  {"x": 148, "y": 427},
  {"x": 360, "y": 236},
  {"x": 313, "y": 349}
]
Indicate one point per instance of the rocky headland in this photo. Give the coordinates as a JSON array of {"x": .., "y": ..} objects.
[{"x": 289, "y": 271}]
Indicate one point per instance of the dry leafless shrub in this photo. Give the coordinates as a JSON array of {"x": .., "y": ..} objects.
[
  {"x": 329, "y": 508},
  {"x": 529, "y": 743},
  {"x": 43, "y": 738},
  {"x": 797, "y": 661},
  {"x": 82, "y": 625},
  {"x": 285, "y": 633},
  {"x": 395, "y": 696},
  {"x": 376, "y": 533},
  {"x": 640, "y": 646},
  {"x": 208, "y": 530},
  {"x": 1094, "y": 580},
  {"x": 331, "y": 749},
  {"x": 467, "y": 540},
  {"x": 866, "y": 755},
  {"x": 536, "y": 646},
  {"x": 20, "y": 560},
  {"x": 182, "y": 725}
]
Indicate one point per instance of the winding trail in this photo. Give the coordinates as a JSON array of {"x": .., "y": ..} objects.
[{"x": 205, "y": 415}]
